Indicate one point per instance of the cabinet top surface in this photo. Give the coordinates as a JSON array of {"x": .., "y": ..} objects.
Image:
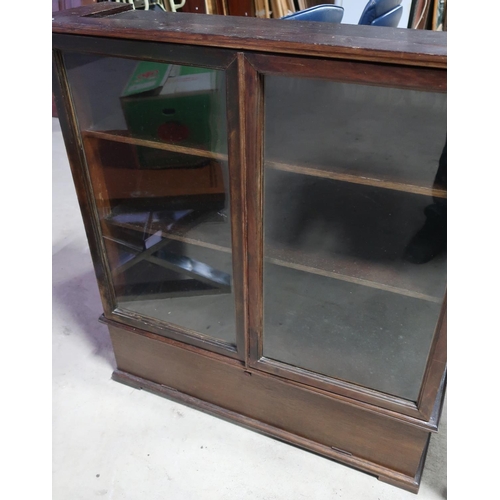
[{"x": 377, "y": 44}]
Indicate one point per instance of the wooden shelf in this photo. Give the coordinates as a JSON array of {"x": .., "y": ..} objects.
[
  {"x": 211, "y": 239},
  {"x": 356, "y": 179},
  {"x": 124, "y": 137},
  {"x": 315, "y": 171},
  {"x": 384, "y": 272},
  {"x": 368, "y": 274}
]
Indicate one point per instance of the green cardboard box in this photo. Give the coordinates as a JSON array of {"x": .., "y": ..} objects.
[{"x": 173, "y": 104}]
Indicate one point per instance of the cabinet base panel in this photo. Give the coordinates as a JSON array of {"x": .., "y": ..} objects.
[
  {"x": 399, "y": 480},
  {"x": 336, "y": 428}
]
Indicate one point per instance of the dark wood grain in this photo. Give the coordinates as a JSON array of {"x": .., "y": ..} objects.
[
  {"x": 316, "y": 171},
  {"x": 379, "y": 445},
  {"x": 74, "y": 148},
  {"x": 124, "y": 137},
  {"x": 254, "y": 132},
  {"x": 378, "y": 433},
  {"x": 436, "y": 369},
  {"x": 237, "y": 173},
  {"x": 241, "y": 8},
  {"x": 361, "y": 73},
  {"x": 362, "y": 394},
  {"x": 104, "y": 12},
  {"x": 98, "y": 181},
  {"x": 338, "y": 175},
  {"x": 338, "y": 41},
  {"x": 185, "y": 55},
  {"x": 383, "y": 474},
  {"x": 418, "y": 423},
  {"x": 174, "y": 332}
]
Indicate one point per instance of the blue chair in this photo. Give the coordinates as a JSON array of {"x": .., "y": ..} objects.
[
  {"x": 320, "y": 13},
  {"x": 382, "y": 13}
]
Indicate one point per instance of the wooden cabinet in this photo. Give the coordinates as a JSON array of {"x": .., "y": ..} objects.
[{"x": 265, "y": 204}]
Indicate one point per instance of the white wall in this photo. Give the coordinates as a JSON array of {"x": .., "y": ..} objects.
[{"x": 354, "y": 8}]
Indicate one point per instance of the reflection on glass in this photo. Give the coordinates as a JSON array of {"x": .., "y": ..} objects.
[
  {"x": 430, "y": 240},
  {"x": 354, "y": 230},
  {"x": 155, "y": 142}
]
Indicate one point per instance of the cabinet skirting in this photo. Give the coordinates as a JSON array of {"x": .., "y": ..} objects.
[{"x": 392, "y": 450}]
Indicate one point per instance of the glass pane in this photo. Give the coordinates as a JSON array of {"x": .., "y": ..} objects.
[
  {"x": 354, "y": 229},
  {"x": 155, "y": 140}
]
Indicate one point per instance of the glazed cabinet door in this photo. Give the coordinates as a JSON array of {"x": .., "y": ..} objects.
[
  {"x": 351, "y": 252},
  {"x": 153, "y": 128}
]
